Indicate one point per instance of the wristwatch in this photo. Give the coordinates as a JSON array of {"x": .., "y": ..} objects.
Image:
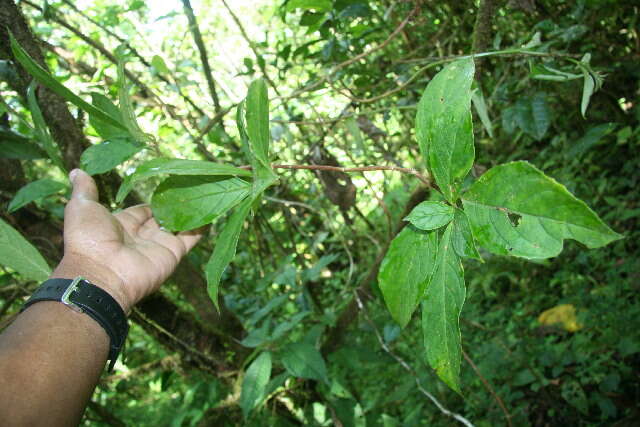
[{"x": 84, "y": 297}]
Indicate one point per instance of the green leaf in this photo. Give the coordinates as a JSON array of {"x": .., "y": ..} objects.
[
  {"x": 441, "y": 312},
  {"x": 259, "y": 136},
  {"x": 42, "y": 132},
  {"x": 255, "y": 383},
  {"x": 430, "y": 215},
  {"x": 257, "y": 114},
  {"x": 587, "y": 90},
  {"x": 44, "y": 78},
  {"x": 463, "y": 242},
  {"x": 158, "y": 63},
  {"x": 303, "y": 360},
  {"x": 23, "y": 150},
  {"x": 530, "y": 114},
  {"x": 444, "y": 128},
  {"x": 17, "y": 253},
  {"x": 591, "y": 137},
  {"x": 106, "y": 130},
  {"x": 127, "y": 112},
  {"x": 317, "y": 5},
  {"x": 175, "y": 167},
  {"x": 188, "y": 202},
  {"x": 477, "y": 98},
  {"x": 405, "y": 271},
  {"x": 225, "y": 248},
  {"x": 33, "y": 191},
  {"x": 515, "y": 209},
  {"x": 101, "y": 158}
]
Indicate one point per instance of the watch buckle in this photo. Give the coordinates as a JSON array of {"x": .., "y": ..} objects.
[{"x": 73, "y": 286}]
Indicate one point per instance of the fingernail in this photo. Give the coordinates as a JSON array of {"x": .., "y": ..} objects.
[{"x": 72, "y": 175}]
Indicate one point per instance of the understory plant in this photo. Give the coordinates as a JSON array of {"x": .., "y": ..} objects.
[{"x": 512, "y": 209}]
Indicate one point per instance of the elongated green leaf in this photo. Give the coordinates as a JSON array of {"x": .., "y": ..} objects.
[
  {"x": 106, "y": 130},
  {"x": 255, "y": 382},
  {"x": 188, "y": 202},
  {"x": 477, "y": 98},
  {"x": 303, "y": 360},
  {"x": 531, "y": 114},
  {"x": 23, "y": 150},
  {"x": 587, "y": 90},
  {"x": 444, "y": 128},
  {"x": 515, "y": 209},
  {"x": 441, "y": 312},
  {"x": 17, "y": 253},
  {"x": 33, "y": 191},
  {"x": 161, "y": 166},
  {"x": 462, "y": 237},
  {"x": 127, "y": 112},
  {"x": 49, "y": 145},
  {"x": 46, "y": 79},
  {"x": 259, "y": 136},
  {"x": 257, "y": 113},
  {"x": 430, "y": 215},
  {"x": 225, "y": 248},
  {"x": 405, "y": 271},
  {"x": 101, "y": 158}
]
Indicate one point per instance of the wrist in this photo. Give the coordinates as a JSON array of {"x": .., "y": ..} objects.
[{"x": 99, "y": 275}]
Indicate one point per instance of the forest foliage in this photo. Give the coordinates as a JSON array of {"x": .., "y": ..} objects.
[{"x": 421, "y": 213}]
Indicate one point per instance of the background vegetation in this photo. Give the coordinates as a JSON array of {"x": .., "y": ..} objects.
[{"x": 344, "y": 78}]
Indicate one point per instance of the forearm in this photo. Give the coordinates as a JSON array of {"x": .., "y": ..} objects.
[
  {"x": 50, "y": 360},
  {"x": 51, "y": 356}
]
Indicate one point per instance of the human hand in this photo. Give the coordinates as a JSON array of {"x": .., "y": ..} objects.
[{"x": 126, "y": 254}]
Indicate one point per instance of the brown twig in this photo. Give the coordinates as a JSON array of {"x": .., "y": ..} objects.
[
  {"x": 202, "y": 50},
  {"x": 409, "y": 171},
  {"x": 489, "y": 388}
]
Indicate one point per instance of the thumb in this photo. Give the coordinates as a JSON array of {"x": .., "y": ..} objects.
[{"x": 84, "y": 187}]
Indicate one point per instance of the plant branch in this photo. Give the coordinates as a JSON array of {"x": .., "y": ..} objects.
[
  {"x": 202, "y": 50},
  {"x": 408, "y": 171},
  {"x": 408, "y": 367},
  {"x": 490, "y": 389}
]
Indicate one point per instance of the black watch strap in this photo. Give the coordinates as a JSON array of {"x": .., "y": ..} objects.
[{"x": 82, "y": 296}]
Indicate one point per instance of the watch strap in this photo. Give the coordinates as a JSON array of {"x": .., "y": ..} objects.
[{"x": 83, "y": 296}]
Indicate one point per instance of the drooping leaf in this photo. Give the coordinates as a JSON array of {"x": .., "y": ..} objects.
[
  {"x": 42, "y": 132},
  {"x": 255, "y": 382},
  {"x": 188, "y": 202},
  {"x": 17, "y": 253},
  {"x": 515, "y": 209},
  {"x": 317, "y": 5},
  {"x": 33, "y": 191},
  {"x": 46, "y": 79},
  {"x": 444, "y": 128},
  {"x": 303, "y": 360},
  {"x": 431, "y": 215},
  {"x": 225, "y": 248},
  {"x": 162, "y": 166},
  {"x": 103, "y": 157},
  {"x": 462, "y": 237},
  {"x": 587, "y": 90},
  {"x": 477, "y": 98},
  {"x": 441, "y": 308},
  {"x": 405, "y": 271}
]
